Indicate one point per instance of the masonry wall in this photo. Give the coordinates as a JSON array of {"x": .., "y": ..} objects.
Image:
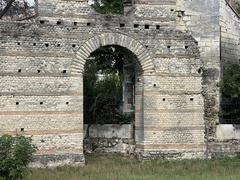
[
  {"x": 110, "y": 138},
  {"x": 41, "y": 79},
  {"x": 227, "y": 139},
  {"x": 201, "y": 20},
  {"x": 230, "y": 35}
]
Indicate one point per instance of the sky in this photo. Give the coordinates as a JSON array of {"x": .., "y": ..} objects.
[{"x": 31, "y": 2}]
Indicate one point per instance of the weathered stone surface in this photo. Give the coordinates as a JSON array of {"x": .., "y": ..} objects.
[{"x": 181, "y": 47}]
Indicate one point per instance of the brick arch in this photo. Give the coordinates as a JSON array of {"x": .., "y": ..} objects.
[{"x": 143, "y": 55}]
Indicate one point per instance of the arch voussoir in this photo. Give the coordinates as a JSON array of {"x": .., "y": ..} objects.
[{"x": 105, "y": 39}]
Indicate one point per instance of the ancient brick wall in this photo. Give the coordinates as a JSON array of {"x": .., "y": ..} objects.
[
  {"x": 230, "y": 35},
  {"x": 227, "y": 141},
  {"x": 42, "y": 63}
]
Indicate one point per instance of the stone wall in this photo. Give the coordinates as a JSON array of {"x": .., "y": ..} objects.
[
  {"x": 227, "y": 139},
  {"x": 201, "y": 20},
  {"x": 230, "y": 35},
  {"x": 110, "y": 138},
  {"x": 177, "y": 44}
]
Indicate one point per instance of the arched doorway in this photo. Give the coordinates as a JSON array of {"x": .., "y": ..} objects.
[
  {"x": 144, "y": 66},
  {"x": 110, "y": 78}
]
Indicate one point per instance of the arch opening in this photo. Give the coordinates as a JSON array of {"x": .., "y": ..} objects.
[{"x": 110, "y": 84}]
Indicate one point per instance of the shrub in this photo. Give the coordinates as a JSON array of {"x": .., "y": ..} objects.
[{"x": 15, "y": 154}]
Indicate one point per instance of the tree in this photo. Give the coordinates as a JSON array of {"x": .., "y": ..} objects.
[
  {"x": 231, "y": 82},
  {"x": 238, "y": 7},
  {"x": 230, "y": 87},
  {"x": 109, "y": 6},
  {"x": 15, "y": 154},
  {"x": 103, "y": 96},
  {"x": 16, "y": 10}
]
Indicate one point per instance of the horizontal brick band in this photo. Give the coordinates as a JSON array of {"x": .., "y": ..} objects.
[{"x": 171, "y": 146}]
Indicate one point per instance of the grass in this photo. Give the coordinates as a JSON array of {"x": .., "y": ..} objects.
[{"x": 115, "y": 167}]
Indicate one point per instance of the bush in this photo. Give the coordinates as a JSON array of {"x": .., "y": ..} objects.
[{"x": 15, "y": 154}]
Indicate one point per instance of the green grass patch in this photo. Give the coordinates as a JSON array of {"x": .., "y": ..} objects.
[{"x": 111, "y": 167}]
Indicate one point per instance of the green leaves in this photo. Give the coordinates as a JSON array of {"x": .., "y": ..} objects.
[
  {"x": 231, "y": 82},
  {"x": 230, "y": 86},
  {"x": 109, "y": 6},
  {"x": 103, "y": 88},
  {"x": 15, "y": 154}
]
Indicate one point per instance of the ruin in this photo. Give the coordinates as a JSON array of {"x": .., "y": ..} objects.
[{"x": 181, "y": 47}]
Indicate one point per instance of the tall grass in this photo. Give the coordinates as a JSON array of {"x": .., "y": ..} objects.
[{"x": 115, "y": 167}]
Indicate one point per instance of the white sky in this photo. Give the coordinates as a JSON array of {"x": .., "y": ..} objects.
[{"x": 31, "y": 2}]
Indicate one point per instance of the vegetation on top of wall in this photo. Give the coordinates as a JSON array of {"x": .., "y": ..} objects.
[
  {"x": 109, "y": 6},
  {"x": 15, "y": 155},
  {"x": 230, "y": 87}
]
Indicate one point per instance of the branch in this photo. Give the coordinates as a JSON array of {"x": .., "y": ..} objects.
[
  {"x": 26, "y": 18},
  {"x": 9, "y": 4}
]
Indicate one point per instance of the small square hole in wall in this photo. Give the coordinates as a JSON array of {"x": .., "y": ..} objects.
[
  {"x": 146, "y": 46},
  {"x": 38, "y": 71},
  {"x": 89, "y": 24},
  {"x": 154, "y": 85},
  {"x": 42, "y": 22},
  {"x": 191, "y": 99},
  {"x": 64, "y": 71},
  {"x": 73, "y": 45},
  {"x": 75, "y": 23},
  {"x": 42, "y": 141},
  {"x": 186, "y": 47},
  {"x": 58, "y": 45},
  {"x": 18, "y": 43},
  {"x": 67, "y": 103},
  {"x": 34, "y": 44},
  {"x": 122, "y": 25},
  {"x": 164, "y": 99},
  {"x": 41, "y": 103},
  {"x": 46, "y": 44},
  {"x": 136, "y": 25},
  {"x": 168, "y": 47},
  {"x": 59, "y": 22},
  {"x": 157, "y": 26},
  {"x": 17, "y": 103},
  {"x": 199, "y": 71},
  {"x": 19, "y": 70},
  {"x": 147, "y": 26},
  {"x": 22, "y": 129},
  {"x": 171, "y": 10}
]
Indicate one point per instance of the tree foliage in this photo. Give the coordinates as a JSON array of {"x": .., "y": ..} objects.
[
  {"x": 103, "y": 86},
  {"x": 230, "y": 87},
  {"x": 231, "y": 82},
  {"x": 15, "y": 154},
  {"x": 109, "y": 6},
  {"x": 16, "y": 9},
  {"x": 238, "y": 7}
]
